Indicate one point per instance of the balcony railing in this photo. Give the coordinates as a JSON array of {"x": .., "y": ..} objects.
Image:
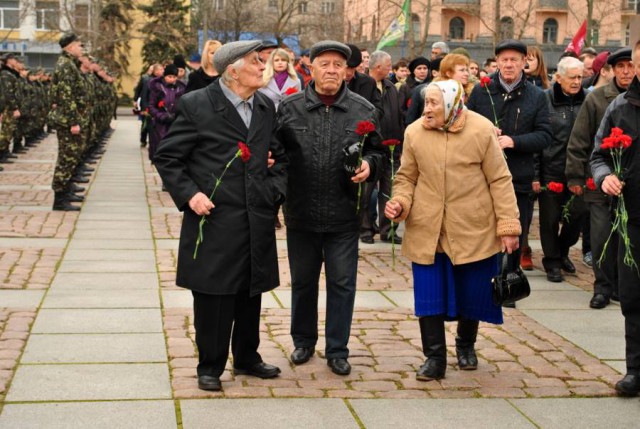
[
  {"x": 553, "y": 4},
  {"x": 461, "y": 2},
  {"x": 9, "y": 18}
]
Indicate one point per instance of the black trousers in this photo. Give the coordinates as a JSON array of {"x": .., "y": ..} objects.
[
  {"x": 219, "y": 319},
  {"x": 526, "y": 212},
  {"x": 557, "y": 241},
  {"x": 629, "y": 285},
  {"x": 606, "y": 274},
  {"x": 384, "y": 190}
]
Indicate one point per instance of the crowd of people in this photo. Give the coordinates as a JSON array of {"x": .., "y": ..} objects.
[
  {"x": 477, "y": 144},
  {"x": 76, "y": 101}
]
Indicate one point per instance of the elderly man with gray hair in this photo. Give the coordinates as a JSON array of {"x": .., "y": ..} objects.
[
  {"x": 391, "y": 127},
  {"x": 236, "y": 259},
  {"x": 565, "y": 100},
  {"x": 439, "y": 50}
]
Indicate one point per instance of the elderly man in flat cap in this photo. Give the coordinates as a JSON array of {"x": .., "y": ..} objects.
[
  {"x": 521, "y": 121},
  {"x": 236, "y": 260},
  {"x": 578, "y": 171},
  {"x": 318, "y": 128}
]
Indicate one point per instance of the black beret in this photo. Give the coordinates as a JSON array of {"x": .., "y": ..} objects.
[
  {"x": 231, "y": 52},
  {"x": 435, "y": 64},
  {"x": 619, "y": 55},
  {"x": 67, "y": 39},
  {"x": 512, "y": 44},
  {"x": 418, "y": 61},
  {"x": 329, "y": 45},
  {"x": 356, "y": 56},
  {"x": 170, "y": 69}
]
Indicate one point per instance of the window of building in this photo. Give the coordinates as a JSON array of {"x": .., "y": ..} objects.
[
  {"x": 47, "y": 15},
  {"x": 634, "y": 5},
  {"x": 327, "y": 7},
  {"x": 9, "y": 15},
  {"x": 415, "y": 23},
  {"x": 506, "y": 28},
  {"x": 595, "y": 33},
  {"x": 218, "y": 5},
  {"x": 303, "y": 7},
  {"x": 456, "y": 28},
  {"x": 550, "y": 31},
  {"x": 81, "y": 17},
  {"x": 273, "y": 3},
  {"x": 627, "y": 35}
]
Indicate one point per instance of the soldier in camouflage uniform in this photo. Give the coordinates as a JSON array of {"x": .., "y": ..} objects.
[
  {"x": 11, "y": 83},
  {"x": 69, "y": 118}
]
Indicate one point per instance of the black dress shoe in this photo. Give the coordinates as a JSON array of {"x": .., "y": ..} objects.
[
  {"x": 367, "y": 239},
  {"x": 302, "y": 354},
  {"x": 260, "y": 370},
  {"x": 599, "y": 300},
  {"x": 339, "y": 366},
  {"x": 397, "y": 239},
  {"x": 554, "y": 275},
  {"x": 209, "y": 382},
  {"x": 567, "y": 265},
  {"x": 431, "y": 369},
  {"x": 615, "y": 297},
  {"x": 629, "y": 385},
  {"x": 467, "y": 358}
]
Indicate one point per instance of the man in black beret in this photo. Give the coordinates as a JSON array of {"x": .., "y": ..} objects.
[
  {"x": 521, "y": 120},
  {"x": 237, "y": 259},
  {"x": 318, "y": 128},
  {"x": 579, "y": 149}
]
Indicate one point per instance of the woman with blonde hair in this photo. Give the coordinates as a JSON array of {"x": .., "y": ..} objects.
[
  {"x": 207, "y": 73},
  {"x": 280, "y": 78},
  {"x": 536, "y": 70}
]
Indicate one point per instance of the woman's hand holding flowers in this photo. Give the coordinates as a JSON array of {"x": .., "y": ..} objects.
[{"x": 392, "y": 210}]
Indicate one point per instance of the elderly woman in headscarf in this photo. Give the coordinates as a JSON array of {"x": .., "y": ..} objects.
[{"x": 454, "y": 191}]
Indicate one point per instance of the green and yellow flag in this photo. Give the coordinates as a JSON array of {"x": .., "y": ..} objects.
[{"x": 397, "y": 28}]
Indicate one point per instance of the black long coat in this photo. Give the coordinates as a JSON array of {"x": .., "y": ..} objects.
[{"x": 239, "y": 247}]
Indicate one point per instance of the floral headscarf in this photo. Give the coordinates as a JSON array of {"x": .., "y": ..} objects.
[{"x": 453, "y": 95}]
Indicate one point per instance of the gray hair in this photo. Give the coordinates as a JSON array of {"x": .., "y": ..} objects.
[
  {"x": 568, "y": 63},
  {"x": 441, "y": 45},
  {"x": 378, "y": 57},
  {"x": 226, "y": 77}
]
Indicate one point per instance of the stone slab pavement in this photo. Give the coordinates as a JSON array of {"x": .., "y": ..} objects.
[{"x": 95, "y": 333}]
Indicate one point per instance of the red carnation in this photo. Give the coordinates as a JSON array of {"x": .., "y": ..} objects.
[
  {"x": 591, "y": 185},
  {"x": 625, "y": 140},
  {"x": 160, "y": 104},
  {"x": 409, "y": 101},
  {"x": 391, "y": 142},
  {"x": 485, "y": 81},
  {"x": 555, "y": 187},
  {"x": 290, "y": 91},
  {"x": 245, "y": 153},
  {"x": 364, "y": 128}
]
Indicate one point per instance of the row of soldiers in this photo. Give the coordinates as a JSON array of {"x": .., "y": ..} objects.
[{"x": 78, "y": 102}]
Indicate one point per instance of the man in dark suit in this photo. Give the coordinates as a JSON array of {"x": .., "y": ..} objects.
[{"x": 237, "y": 258}]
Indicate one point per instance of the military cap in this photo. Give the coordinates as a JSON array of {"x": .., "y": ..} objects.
[
  {"x": 619, "y": 55},
  {"x": 600, "y": 61},
  {"x": 329, "y": 45},
  {"x": 588, "y": 51},
  {"x": 514, "y": 45},
  {"x": 356, "y": 56},
  {"x": 6, "y": 57},
  {"x": 67, "y": 39},
  {"x": 231, "y": 52},
  {"x": 305, "y": 53}
]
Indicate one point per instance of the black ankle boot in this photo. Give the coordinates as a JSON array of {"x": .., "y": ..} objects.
[
  {"x": 434, "y": 348},
  {"x": 61, "y": 202},
  {"x": 465, "y": 341}
]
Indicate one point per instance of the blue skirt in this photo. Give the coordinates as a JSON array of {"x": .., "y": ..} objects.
[{"x": 458, "y": 292}]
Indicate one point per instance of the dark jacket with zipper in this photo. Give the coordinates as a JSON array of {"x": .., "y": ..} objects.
[
  {"x": 320, "y": 195},
  {"x": 550, "y": 163},
  {"x": 624, "y": 113},
  {"x": 523, "y": 115}
]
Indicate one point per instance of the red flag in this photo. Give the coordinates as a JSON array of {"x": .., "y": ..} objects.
[{"x": 578, "y": 40}]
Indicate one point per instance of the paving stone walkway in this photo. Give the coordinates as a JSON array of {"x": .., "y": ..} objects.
[{"x": 95, "y": 333}]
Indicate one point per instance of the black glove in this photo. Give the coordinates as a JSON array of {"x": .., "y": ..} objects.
[{"x": 351, "y": 158}]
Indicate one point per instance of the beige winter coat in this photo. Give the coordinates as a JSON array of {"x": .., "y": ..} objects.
[{"x": 456, "y": 192}]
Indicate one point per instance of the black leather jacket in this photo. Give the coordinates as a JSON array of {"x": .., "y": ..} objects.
[
  {"x": 320, "y": 194},
  {"x": 551, "y": 162}
]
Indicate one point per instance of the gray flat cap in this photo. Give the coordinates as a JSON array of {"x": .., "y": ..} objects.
[
  {"x": 329, "y": 45},
  {"x": 230, "y": 52}
]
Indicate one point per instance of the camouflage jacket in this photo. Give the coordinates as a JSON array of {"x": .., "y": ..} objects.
[
  {"x": 69, "y": 93},
  {"x": 12, "y": 88}
]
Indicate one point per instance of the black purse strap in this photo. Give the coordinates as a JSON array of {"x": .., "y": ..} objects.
[{"x": 506, "y": 263}]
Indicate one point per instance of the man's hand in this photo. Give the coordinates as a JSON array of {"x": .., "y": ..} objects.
[
  {"x": 576, "y": 190},
  {"x": 16, "y": 114},
  {"x": 361, "y": 173},
  {"x": 505, "y": 142},
  {"x": 270, "y": 161},
  {"x": 392, "y": 210},
  {"x": 536, "y": 187},
  {"x": 510, "y": 243},
  {"x": 201, "y": 204},
  {"x": 612, "y": 185},
  {"x": 75, "y": 130}
]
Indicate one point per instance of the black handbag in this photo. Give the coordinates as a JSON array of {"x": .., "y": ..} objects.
[{"x": 510, "y": 285}]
